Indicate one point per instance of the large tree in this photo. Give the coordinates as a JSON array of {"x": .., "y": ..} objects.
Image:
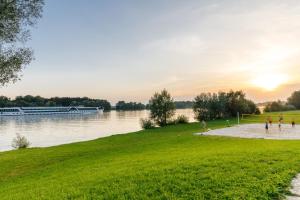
[
  {"x": 209, "y": 106},
  {"x": 294, "y": 99},
  {"x": 16, "y": 17},
  {"x": 162, "y": 107}
]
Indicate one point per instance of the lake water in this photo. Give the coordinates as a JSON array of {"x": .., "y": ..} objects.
[{"x": 50, "y": 130}]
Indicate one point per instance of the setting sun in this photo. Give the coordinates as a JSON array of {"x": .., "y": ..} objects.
[{"x": 270, "y": 81}]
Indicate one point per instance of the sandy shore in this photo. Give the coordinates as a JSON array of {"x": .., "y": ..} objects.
[{"x": 287, "y": 132}]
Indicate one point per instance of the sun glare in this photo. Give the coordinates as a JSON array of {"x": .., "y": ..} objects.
[{"x": 270, "y": 81}]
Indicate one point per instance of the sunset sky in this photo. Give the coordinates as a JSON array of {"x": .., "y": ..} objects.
[{"x": 126, "y": 50}]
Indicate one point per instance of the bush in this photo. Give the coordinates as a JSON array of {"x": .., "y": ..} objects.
[
  {"x": 147, "y": 124},
  {"x": 20, "y": 142},
  {"x": 182, "y": 119}
]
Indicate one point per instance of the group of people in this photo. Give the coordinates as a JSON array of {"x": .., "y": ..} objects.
[{"x": 269, "y": 122}]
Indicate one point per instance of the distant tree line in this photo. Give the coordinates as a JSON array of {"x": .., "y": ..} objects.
[
  {"x": 122, "y": 105},
  {"x": 293, "y": 103},
  {"x": 31, "y": 101},
  {"x": 184, "y": 104},
  {"x": 277, "y": 106},
  {"x": 210, "y": 106}
]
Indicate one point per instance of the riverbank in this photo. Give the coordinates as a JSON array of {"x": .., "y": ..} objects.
[
  {"x": 48, "y": 130},
  {"x": 163, "y": 163}
]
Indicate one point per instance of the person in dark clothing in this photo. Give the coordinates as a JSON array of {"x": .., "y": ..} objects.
[
  {"x": 293, "y": 123},
  {"x": 267, "y": 127}
]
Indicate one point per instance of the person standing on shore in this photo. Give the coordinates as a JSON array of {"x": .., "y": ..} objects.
[
  {"x": 267, "y": 127},
  {"x": 293, "y": 123},
  {"x": 279, "y": 125},
  {"x": 280, "y": 121},
  {"x": 270, "y": 120}
]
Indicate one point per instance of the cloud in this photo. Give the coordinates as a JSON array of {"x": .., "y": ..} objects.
[{"x": 188, "y": 44}]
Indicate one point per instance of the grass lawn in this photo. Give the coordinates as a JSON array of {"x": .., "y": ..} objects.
[
  {"x": 163, "y": 163},
  {"x": 288, "y": 117}
]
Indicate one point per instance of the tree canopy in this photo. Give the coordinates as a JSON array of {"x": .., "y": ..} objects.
[
  {"x": 294, "y": 99},
  {"x": 162, "y": 107},
  {"x": 209, "y": 106},
  {"x": 16, "y": 17}
]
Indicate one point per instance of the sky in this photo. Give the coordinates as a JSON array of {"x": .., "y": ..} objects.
[{"x": 127, "y": 50}]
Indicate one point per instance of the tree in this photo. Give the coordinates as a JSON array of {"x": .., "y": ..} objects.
[
  {"x": 276, "y": 106},
  {"x": 294, "y": 99},
  {"x": 4, "y": 101},
  {"x": 162, "y": 107},
  {"x": 16, "y": 16},
  {"x": 209, "y": 106}
]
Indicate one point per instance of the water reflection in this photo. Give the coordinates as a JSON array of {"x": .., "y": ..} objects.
[{"x": 49, "y": 130}]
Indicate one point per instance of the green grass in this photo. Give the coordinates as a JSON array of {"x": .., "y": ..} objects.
[
  {"x": 288, "y": 117},
  {"x": 163, "y": 163}
]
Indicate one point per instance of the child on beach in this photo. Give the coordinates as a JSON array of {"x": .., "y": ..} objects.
[
  {"x": 281, "y": 118},
  {"x": 267, "y": 127},
  {"x": 270, "y": 120},
  {"x": 293, "y": 123},
  {"x": 280, "y": 122},
  {"x": 279, "y": 125}
]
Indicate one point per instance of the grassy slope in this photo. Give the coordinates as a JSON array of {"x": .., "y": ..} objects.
[{"x": 164, "y": 163}]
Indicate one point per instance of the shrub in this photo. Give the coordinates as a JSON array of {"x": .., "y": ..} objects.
[
  {"x": 182, "y": 119},
  {"x": 147, "y": 124},
  {"x": 20, "y": 142}
]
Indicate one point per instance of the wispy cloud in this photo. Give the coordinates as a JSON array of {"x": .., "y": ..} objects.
[{"x": 188, "y": 44}]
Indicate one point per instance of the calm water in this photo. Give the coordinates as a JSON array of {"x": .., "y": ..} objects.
[{"x": 44, "y": 131}]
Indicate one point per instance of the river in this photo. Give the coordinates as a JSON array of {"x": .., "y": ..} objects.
[{"x": 51, "y": 130}]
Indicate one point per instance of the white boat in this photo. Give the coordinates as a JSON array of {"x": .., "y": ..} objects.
[{"x": 16, "y": 111}]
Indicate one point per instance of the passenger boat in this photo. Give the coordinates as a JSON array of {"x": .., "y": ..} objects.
[{"x": 16, "y": 111}]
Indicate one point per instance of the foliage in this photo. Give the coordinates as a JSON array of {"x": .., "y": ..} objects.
[
  {"x": 20, "y": 142},
  {"x": 182, "y": 119},
  {"x": 162, "y": 107},
  {"x": 294, "y": 99},
  {"x": 28, "y": 100},
  {"x": 147, "y": 124},
  {"x": 122, "y": 105},
  {"x": 161, "y": 163},
  {"x": 276, "y": 106},
  {"x": 209, "y": 106},
  {"x": 16, "y": 17}
]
